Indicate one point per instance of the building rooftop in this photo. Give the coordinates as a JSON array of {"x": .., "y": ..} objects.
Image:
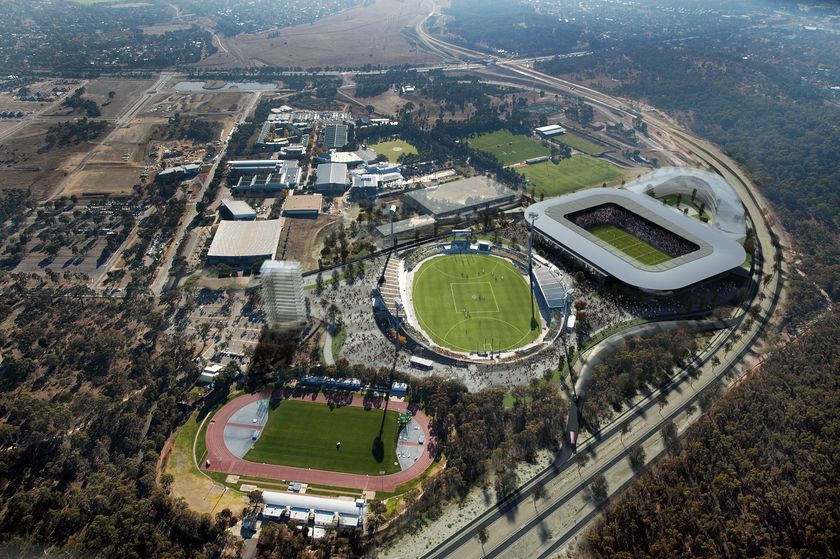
[
  {"x": 464, "y": 193},
  {"x": 246, "y": 238},
  {"x": 332, "y": 173},
  {"x": 716, "y": 253},
  {"x": 303, "y": 202},
  {"x": 335, "y": 136},
  {"x": 239, "y": 208}
]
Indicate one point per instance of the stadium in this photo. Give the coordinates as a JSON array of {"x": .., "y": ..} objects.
[
  {"x": 470, "y": 300},
  {"x": 635, "y": 239}
]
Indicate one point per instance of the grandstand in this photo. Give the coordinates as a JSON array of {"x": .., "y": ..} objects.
[
  {"x": 635, "y": 239},
  {"x": 552, "y": 288}
]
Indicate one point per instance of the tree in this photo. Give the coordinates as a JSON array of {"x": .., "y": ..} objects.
[
  {"x": 319, "y": 282},
  {"x": 539, "y": 493},
  {"x": 582, "y": 460},
  {"x": 636, "y": 455},
  {"x": 598, "y": 487},
  {"x": 670, "y": 436},
  {"x": 203, "y": 331},
  {"x": 482, "y": 536},
  {"x": 625, "y": 428}
]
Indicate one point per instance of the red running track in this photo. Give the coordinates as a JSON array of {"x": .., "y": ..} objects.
[{"x": 223, "y": 460}]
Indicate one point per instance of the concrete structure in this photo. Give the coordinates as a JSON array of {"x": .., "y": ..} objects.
[
  {"x": 331, "y": 179},
  {"x": 318, "y": 513},
  {"x": 303, "y": 205},
  {"x": 713, "y": 253},
  {"x": 241, "y": 243},
  {"x": 549, "y": 131},
  {"x": 237, "y": 210},
  {"x": 282, "y": 291},
  {"x": 406, "y": 228},
  {"x": 461, "y": 198},
  {"x": 335, "y": 136}
]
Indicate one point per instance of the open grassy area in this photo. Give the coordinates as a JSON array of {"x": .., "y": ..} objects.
[
  {"x": 580, "y": 144},
  {"x": 630, "y": 245},
  {"x": 474, "y": 302},
  {"x": 392, "y": 149},
  {"x": 569, "y": 175},
  {"x": 507, "y": 147},
  {"x": 303, "y": 434}
]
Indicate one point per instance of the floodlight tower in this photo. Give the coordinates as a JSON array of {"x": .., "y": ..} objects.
[{"x": 533, "y": 217}]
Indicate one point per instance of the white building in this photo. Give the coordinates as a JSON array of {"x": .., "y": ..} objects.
[
  {"x": 319, "y": 513},
  {"x": 282, "y": 290}
]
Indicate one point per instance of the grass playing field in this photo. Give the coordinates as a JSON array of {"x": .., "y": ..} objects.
[
  {"x": 580, "y": 144},
  {"x": 507, "y": 147},
  {"x": 630, "y": 245},
  {"x": 579, "y": 171},
  {"x": 303, "y": 434},
  {"x": 474, "y": 302},
  {"x": 393, "y": 149}
]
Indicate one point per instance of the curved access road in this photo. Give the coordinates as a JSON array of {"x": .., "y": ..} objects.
[{"x": 223, "y": 460}]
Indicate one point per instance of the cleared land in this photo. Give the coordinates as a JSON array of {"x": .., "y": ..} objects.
[
  {"x": 580, "y": 144},
  {"x": 569, "y": 175},
  {"x": 393, "y": 149},
  {"x": 474, "y": 302},
  {"x": 630, "y": 245},
  {"x": 304, "y": 434},
  {"x": 507, "y": 147},
  {"x": 370, "y": 33}
]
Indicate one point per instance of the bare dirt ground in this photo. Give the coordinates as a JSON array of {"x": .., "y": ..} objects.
[
  {"x": 126, "y": 92},
  {"x": 196, "y": 103},
  {"x": 21, "y": 166},
  {"x": 303, "y": 245},
  {"x": 107, "y": 169},
  {"x": 358, "y": 36}
]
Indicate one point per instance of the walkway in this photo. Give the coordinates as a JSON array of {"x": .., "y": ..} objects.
[{"x": 223, "y": 460}]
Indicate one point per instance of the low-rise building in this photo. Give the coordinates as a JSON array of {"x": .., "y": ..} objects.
[
  {"x": 549, "y": 131},
  {"x": 303, "y": 205},
  {"x": 239, "y": 244},
  {"x": 236, "y": 210},
  {"x": 331, "y": 179}
]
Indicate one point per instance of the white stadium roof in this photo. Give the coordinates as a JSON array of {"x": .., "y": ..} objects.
[
  {"x": 551, "y": 286},
  {"x": 711, "y": 189},
  {"x": 716, "y": 253}
]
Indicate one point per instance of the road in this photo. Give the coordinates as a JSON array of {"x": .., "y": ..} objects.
[
  {"x": 518, "y": 529},
  {"x": 162, "y": 277}
]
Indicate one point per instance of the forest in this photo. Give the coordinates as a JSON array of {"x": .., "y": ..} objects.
[
  {"x": 756, "y": 476},
  {"x": 643, "y": 363}
]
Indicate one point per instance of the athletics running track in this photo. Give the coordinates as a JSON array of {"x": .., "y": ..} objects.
[{"x": 223, "y": 460}]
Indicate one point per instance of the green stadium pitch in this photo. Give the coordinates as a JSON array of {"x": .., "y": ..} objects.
[
  {"x": 304, "y": 435},
  {"x": 630, "y": 245},
  {"x": 474, "y": 303}
]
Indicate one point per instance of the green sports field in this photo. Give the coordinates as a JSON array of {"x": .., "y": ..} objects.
[
  {"x": 630, "y": 245},
  {"x": 474, "y": 302},
  {"x": 507, "y": 147},
  {"x": 569, "y": 175},
  {"x": 393, "y": 149},
  {"x": 580, "y": 144},
  {"x": 303, "y": 434}
]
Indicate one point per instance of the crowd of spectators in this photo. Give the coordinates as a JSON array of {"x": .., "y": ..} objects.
[{"x": 658, "y": 237}]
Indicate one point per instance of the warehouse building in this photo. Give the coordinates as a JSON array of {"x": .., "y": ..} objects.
[
  {"x": 331, "y": 179},
  {"x": 335, "y": 136},
  {"x": 462, "y": 198},
  {"x": 549, "y": 131},
  {"x": 236, "y": 210},
  {"x": 303, "y": 205},
  {"x": 239, "y": 244}
]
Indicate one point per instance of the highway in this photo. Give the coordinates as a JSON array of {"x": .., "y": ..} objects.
[{"x": 516, "y": 528}]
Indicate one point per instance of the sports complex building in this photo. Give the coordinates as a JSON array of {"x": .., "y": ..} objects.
[
  {"x": 462, "y": 198},
  {"x": 635, "y": 239}
]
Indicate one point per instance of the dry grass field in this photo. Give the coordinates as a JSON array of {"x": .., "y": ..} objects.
[
  {"x": 196, "y": 103},
  {"x": 21, "y": 166},
  {"x": 126, "y": 92},
  {"x": 371, "y": 33}
]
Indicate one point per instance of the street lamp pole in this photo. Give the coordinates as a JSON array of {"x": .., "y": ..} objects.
[{"x": 533, "y": 217}]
